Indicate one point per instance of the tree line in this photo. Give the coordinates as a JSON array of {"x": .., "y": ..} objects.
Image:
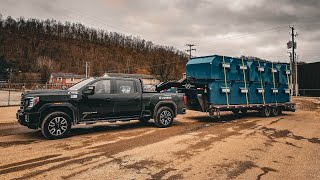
[{"x": 45, "y": 46}]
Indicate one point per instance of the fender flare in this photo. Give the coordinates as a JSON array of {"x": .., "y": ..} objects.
[
  {"x": 164, "y": 103},
  {"x": 64, "y": 104}
]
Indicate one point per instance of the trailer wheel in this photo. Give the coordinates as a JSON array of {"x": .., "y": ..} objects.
[
  {"x": 275, "y": 111},
  {"x": 164, "y": 117},
  {"x": 266, "y": 112}
]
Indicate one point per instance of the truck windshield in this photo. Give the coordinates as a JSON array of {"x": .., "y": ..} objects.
[{"x": 80, "y": 84}]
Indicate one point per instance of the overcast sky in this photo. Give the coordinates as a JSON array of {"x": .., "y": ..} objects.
[{"x": 226, "y": 27}]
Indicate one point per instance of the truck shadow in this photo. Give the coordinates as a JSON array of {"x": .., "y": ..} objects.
[
  {"x": 95, "y": 129},
  {"x": 105, "y": 127}
]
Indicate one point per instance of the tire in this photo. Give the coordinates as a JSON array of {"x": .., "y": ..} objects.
[
  {"x": 56, "y": 125},
  {"x": 164, "y": 117},
  {"x": 275, "y": 111},
  {"x": 144, "y": 119},
  {"x": 266, "y": 112}
]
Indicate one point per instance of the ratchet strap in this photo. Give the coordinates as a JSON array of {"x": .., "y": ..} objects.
[
  {"x": 225, "y": 81},
  {"x": 274, "y": 83},
  {"x": 245, "y": 81},
  {"x": 264, "y": 102}
]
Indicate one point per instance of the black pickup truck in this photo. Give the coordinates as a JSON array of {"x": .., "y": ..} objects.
[{"x": 97, "y": 99}]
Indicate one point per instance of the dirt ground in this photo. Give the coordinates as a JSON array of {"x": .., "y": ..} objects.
[{"x": 195, "y": 147}]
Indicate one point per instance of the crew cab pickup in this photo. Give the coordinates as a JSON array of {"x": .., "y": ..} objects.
[{"x": 97, "y": 99}]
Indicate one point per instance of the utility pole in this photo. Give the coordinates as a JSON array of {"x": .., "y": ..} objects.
[
  {"x": 190, "y": 49},
  {"x": 128, "y": 65},
  {"x": 292, "y": 44},
  {"x": 296, "y": 75},
  {"x": 87, "y": 70},
  {"x": 291, "y": 86},
  {"x": 10, "y": 74}
]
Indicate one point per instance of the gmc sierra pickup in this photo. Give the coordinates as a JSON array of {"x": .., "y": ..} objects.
[{"x": 97, "y": 99}]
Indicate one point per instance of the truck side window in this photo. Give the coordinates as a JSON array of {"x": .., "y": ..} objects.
[
  {"x": 102, "y": 87},
  {"x": 125, "y": 87}
]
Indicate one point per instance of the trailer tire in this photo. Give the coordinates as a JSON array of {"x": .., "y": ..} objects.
[
  {"x": 275, "y": 111},
  {"x": 266, "y": 111},
  {"x": 164, "y": 117}
]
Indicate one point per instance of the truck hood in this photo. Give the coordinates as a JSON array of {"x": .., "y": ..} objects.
[{"x": 46, "y": 92}]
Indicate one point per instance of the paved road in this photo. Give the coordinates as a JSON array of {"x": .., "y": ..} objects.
[{"x": 195, "y": 147}]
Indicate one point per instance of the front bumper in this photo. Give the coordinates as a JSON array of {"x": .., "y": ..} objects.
[{"x": 29, "y": 119}]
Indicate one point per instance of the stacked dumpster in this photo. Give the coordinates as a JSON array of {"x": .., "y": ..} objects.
[{"x": 235, "y": 81}]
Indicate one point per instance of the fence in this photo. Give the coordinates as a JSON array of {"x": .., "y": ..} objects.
[{"x": 10, "y": 93}]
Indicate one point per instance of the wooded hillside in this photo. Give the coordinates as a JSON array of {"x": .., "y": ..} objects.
[{"x": 47, "y": 46}]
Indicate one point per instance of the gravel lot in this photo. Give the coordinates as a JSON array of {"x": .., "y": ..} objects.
[{"x": 195, "y": 147}]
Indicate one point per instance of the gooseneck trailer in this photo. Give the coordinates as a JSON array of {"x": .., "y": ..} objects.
[{"x": 220, "y": 83}]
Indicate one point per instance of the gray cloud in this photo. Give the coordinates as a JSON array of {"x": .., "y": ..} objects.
[{"x": 229, "y": 27}]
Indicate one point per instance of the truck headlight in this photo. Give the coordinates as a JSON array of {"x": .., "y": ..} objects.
[{"x": 33, "y": 101}]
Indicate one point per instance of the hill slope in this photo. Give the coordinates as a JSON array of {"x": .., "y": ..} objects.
[{"x": 49, "y": 46}]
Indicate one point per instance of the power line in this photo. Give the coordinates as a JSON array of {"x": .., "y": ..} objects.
[{"x": 250, "y": 33}]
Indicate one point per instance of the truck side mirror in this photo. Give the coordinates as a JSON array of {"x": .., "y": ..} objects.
[{"x": 88, "y": 90}]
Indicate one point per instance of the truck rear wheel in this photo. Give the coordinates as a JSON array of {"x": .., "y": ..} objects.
[
  {"x": 266, "y": 111},
  {"x": 56, "y": 125},
  {"x": 164, "y": 117},
  {"x": 275, "y": 111}
]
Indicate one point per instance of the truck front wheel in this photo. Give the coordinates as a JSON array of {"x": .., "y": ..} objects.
[
  {"x": 56, "y": 125},
  {"x": 164, "y": 117}
]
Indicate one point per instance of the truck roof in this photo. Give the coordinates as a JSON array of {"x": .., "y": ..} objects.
[{"x": 126, "y": 78}]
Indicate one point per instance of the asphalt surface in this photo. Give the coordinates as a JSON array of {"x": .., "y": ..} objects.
[{"x": 195, "y": 147}]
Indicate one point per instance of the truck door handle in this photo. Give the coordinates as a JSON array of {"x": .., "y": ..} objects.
[{"x": 108, "y": 99}]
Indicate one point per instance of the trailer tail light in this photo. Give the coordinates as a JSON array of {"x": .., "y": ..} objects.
[{"x": 185, "y": 100}]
